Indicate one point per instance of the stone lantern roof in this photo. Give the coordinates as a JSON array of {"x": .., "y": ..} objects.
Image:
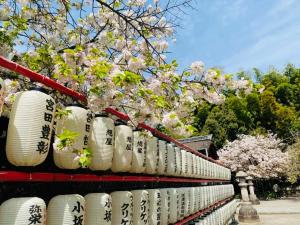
[{"x": 241, "y": 174}]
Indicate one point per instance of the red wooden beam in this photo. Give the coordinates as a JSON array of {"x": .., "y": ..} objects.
[
  {"x": 115, "y": 112},
  {"x": 14, "y": 176},
  {"x": 40, "y": 78}
]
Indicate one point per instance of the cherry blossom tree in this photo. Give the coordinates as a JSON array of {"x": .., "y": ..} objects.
[
  {"x": 114, "y": 51},
  {"x": 260, "y": 156}
]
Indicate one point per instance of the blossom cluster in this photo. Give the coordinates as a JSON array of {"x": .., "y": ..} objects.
[{"x": 260, "y": 156}]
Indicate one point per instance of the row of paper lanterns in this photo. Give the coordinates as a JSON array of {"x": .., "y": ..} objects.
[
  {"x": 116, "y": 147},
  {"x": 137, "y": 207},
  {"x": 220, "y": 216}
]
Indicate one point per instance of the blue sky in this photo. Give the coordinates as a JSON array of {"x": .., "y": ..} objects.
[{"x": 239, "y": 34}]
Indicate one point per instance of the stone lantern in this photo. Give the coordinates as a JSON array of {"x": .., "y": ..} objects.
[
  {"x": 247, "y": 213},
  {"x": 252, "y": 195},
  {"x": 241, "y": 178}
]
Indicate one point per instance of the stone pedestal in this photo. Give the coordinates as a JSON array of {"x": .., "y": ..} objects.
[
  {"x": 254, "y": 200},
  {"x": 248, "y": 214}
]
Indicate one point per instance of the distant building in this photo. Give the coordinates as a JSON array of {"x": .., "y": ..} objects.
[{"x": 203, "y": 144}]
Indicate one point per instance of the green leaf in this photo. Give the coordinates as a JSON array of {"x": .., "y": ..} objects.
[
  {"x": 85, "y": 158},
  {"x": 61, "y": 113},
  {"x": 101, "y": 69},
  {"x": 67, "y": 138}
]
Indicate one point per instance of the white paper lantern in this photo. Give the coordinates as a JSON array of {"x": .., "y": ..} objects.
[
  {"x": 165, "y": 206},
  {"x": 77, "y": 121},
  {"x": 188, "y": 203},
  {"x": 23, "y": 211},
  {"x": 201, "y": 169},
  {"x": 174, "y": 209},
  {"x": 190, "y": 164},
  {"x": 214, "y": 170},
  {"x": 182, "y": 203},
  {"x": 98, "y": 209},
  {"x": 123, "y": 149},
  {"x": 151, "y": 155},
  {"x": 140, "y": 207},
  {"x": 192, "y": 200},
  {"x": 207, "y": 196},
  {"x": 196, "y": 173},
  {"x": 205, "y": 168},
  {"x": 101, "y": 143},
  {"x": 197, "y": 199},
  {"x": 211, "y": 195},
  {"x": 228, "y": 174},
  {"x": 122, "y": 207},
  {"x": 30, "y": 128},
  {"x": 162, "y": 157},
  {"x": 210, "y": 173},
  {"x": 171, "y": 157},
  {"x": 66, "y": 210},
  {"x": 194, "y": 165},
  {"x": 202, "y": 198},
  {"x": 179, "y": 204},
  {"x": 178, "y": 162},
  {"x": 154, "y": 207},
  {"x": 198, "y": 167},
  {"x": 138, "y": 164},
  {"x": 208, "y": 169},
  {"x": 184, "y": 163}
]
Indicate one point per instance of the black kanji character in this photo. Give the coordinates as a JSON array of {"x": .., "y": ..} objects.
[
  {"x": 108, "y": 204},
  {"x": 35, "y": 209},
  {"x": 35, "y": 218},
  {"x": 46, "y": 131},
  {"x": 42, "y": 147},
  {"x": 48, "y": 117},
  {"x": 143, "y": 215},
  {"x": 140, "y": 143},
  {"x": 78, "y": 220},
  {"x": 124, "y": 209},
  {"x": 124, "y": 221},
  {"x": 87, "y": 127},
  {"x": 50, "y": 105},
  {"x": 109, "y": 133},
  {"x": 85, "y": 140},
  {"x": 89, "y": 117},
  {"x": 78, "y": 207},
  {"x": 128, "y": 147},
  {"x": 107, "y": 216},
  {"x": 140, "y": 150},
  {"x": 108, "y": 141},
  {"x": 129, "y": 139}
]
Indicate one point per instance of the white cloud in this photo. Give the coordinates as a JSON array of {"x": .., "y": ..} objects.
[
  {"x": 281, "y": 6},
  {"x": 272, "y": 49},
  {"x": 275, "y": 40}
]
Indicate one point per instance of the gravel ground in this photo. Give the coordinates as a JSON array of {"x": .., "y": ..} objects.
[{"x": 278, "y": 212}]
